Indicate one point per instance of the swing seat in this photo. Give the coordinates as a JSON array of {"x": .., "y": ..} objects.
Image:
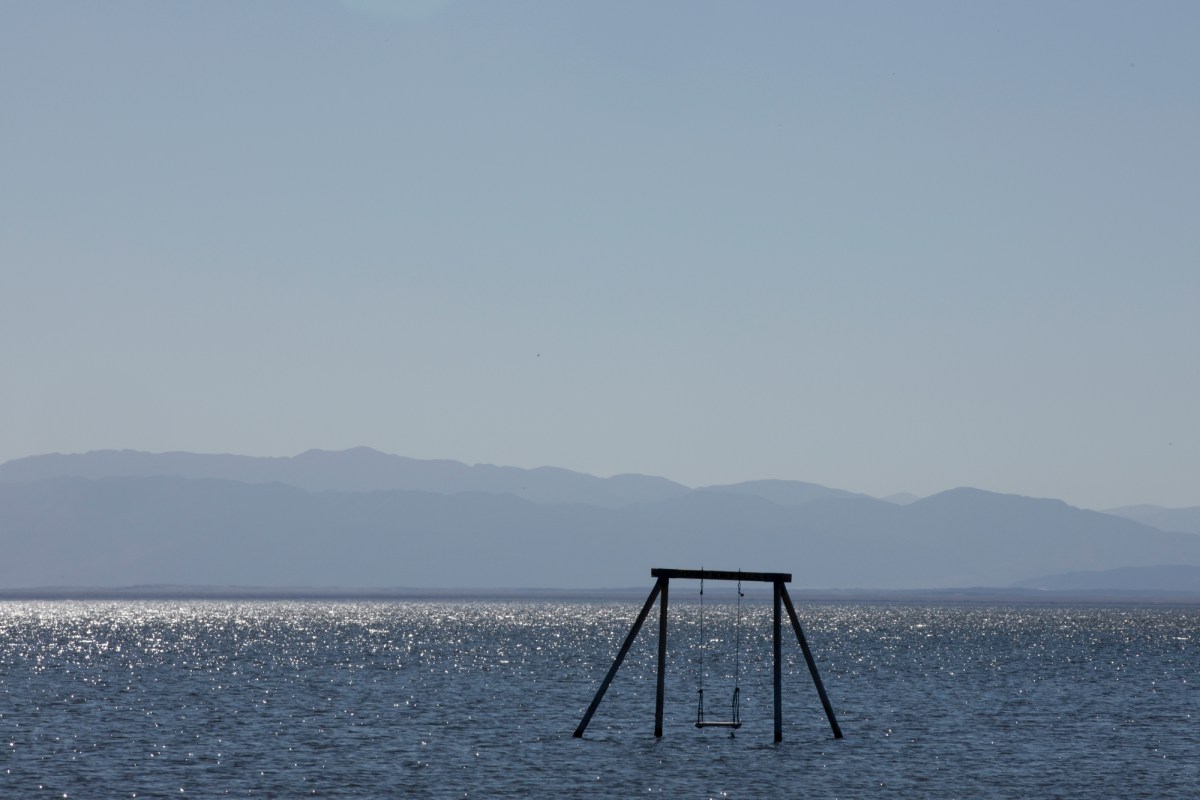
[{"x": 736, "y": 722}]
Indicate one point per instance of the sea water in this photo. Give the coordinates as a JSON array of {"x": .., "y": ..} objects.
[{"x": 480, "y": 699}]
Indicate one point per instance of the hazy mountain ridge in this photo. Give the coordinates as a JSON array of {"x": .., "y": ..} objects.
[
  {"x": 359, "y": 469},
  {"x": 187, "y": 531},
  {"x": 1186, "y": 520},
  {"x": 363, "y": 469},
  {"x": 784, "y": 493}
]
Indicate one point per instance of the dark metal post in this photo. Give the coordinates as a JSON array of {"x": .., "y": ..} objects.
[
  {"x": 662, "y": 657},
  {"x": 659, "y": 586},
  {"x": 777, "y": 646},
  {"x": 812, "y": 665}
]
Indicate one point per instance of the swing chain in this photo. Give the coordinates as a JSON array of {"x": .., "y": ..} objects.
[
  {"x": 703, "y": 647},
  {"x": 737, "y": 655},
  {"x": 737, "y": 647}
]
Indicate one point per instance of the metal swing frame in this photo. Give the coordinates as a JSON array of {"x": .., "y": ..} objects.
[{"x": 778, "y": 580}]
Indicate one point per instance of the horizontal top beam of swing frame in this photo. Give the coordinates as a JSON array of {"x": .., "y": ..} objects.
[{"x": 721, "y": 575}]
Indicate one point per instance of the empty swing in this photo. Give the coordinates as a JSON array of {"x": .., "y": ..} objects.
[{"x": 735, "y": 721}]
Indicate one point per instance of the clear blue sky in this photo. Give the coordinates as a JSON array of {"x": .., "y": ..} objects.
[{"x": 879, "y": 246}]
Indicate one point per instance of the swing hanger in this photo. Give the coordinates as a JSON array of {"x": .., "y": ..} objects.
[{"x": 735, "y": 720}]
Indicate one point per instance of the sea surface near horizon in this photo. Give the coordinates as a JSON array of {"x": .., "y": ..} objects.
[{"x": 480, "y": 698}]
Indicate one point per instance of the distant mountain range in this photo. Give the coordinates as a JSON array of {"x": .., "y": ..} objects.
[
  {"x": 1167, "y": 519},
  {"x": 359, "y": 469},
  {"x": 360, "y": 518}
]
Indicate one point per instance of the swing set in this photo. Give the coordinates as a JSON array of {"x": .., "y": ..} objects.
[{"x": 660, "y": 592}]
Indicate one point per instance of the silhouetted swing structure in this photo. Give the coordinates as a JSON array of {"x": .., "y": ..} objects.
[{"x": 781, "y": 600}]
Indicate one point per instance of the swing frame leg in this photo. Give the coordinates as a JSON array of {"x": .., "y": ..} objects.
[
  {"x": 808, "y": 657},
  {"x": 776, "y": 646},
  {"x": 662, "y": 659},
  {"x": 659, "y": 586}
]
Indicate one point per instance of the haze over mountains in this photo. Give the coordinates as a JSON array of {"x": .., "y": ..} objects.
[
  {"x": 360, "y": 469},
  {"x": 361, "y": 518},
  {"x": 1168, "y": 519}
]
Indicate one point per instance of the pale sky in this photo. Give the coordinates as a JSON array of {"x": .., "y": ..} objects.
[{"x": 878, "y": 246}]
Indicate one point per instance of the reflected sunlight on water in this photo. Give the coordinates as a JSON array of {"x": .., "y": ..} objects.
[{"x": 461, "y": 699}]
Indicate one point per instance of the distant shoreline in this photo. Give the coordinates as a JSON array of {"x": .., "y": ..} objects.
[{"x": 974, "y": 595}]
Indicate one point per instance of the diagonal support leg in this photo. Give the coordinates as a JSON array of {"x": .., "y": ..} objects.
[
  {"x": 612, "y": 672},
  {"x": 812, "y": 664}
]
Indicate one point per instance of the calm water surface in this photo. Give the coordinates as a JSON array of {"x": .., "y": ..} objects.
[{"x": 473, "y": 699}]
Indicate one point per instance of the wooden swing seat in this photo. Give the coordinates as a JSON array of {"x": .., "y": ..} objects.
[{"x": 718, "y": 724}]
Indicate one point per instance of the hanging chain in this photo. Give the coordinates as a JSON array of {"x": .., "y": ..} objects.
[
  {"x": 737, "y": 648},
  {"x": 737, "y": 658},
  {"x": 703, "y": 647},
  {"x": 703, "y": 643}
]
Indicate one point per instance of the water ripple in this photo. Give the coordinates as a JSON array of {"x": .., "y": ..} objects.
[{"x": 442, "y": 699}]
